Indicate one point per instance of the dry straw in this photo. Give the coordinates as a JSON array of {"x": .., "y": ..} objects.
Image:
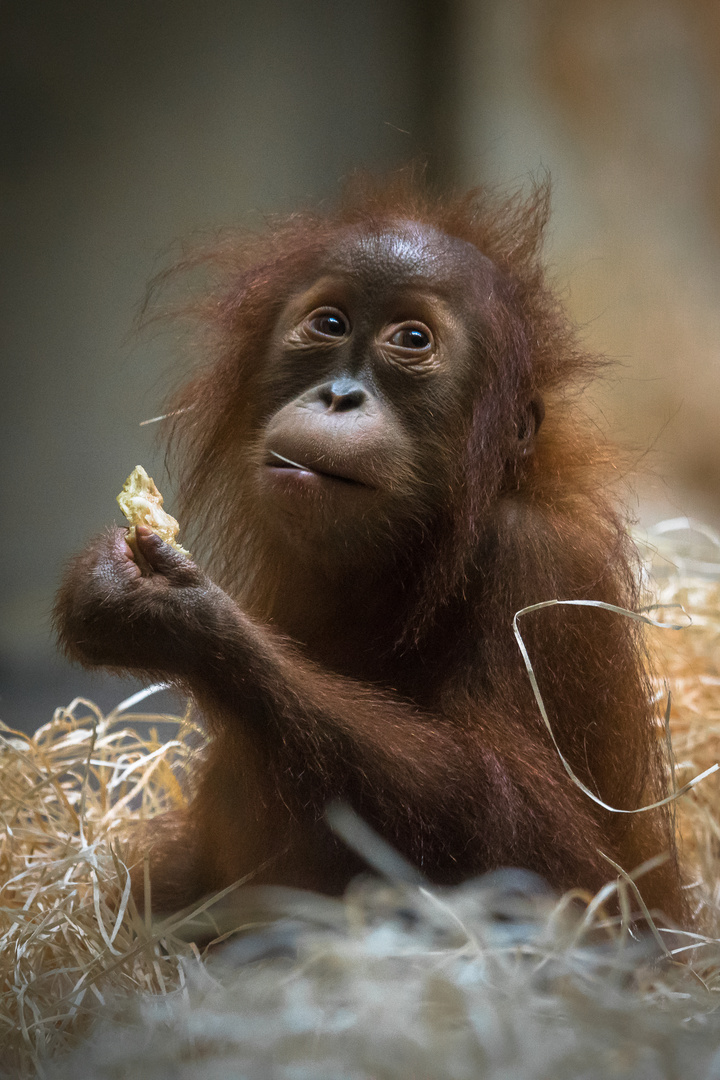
[
  {"x": 69, "y": 930},
  {"x": 688, "y": 666}
]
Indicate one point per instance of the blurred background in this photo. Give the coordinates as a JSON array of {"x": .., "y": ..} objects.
[{"x": 127, "y": 125}]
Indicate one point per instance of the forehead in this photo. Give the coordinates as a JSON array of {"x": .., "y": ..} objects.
[{"x": 409, "y": 253}]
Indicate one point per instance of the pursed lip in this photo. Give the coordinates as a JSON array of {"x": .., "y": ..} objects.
[{"x": 280, "y": 463}]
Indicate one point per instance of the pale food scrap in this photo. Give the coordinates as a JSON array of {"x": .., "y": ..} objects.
[{"x": 141, "y": 503}]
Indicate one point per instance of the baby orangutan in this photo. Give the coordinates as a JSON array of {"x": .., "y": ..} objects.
[{"x": 380, "y": 466}]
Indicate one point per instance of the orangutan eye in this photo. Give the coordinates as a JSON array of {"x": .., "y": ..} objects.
[
  {"x": 328, "y": 323},
  {"x": 412, "y": 337}
]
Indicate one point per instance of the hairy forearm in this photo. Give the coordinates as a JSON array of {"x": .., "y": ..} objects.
[
  {"x": 244, "y": 674},
  {"x": 351, "y": 739}
]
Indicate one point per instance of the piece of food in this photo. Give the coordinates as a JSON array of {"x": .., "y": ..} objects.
[{"x": 141, "y": 503}]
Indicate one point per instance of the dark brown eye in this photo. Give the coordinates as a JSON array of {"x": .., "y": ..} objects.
[
  {"x": 328, "y": 324},
  {"x": 414, "y": 337}
]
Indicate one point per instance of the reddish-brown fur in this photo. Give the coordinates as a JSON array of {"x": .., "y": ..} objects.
[{"x": 371, "y": 656}]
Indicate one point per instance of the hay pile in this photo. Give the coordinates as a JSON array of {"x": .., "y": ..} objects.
[
  {"x": 687, "y": 666},
  {"x": 69, "y": 931},
  {"x": 496, "y": 979}
]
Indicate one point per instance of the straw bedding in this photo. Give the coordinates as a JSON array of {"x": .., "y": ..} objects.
[{"x": 495, "y": 979}]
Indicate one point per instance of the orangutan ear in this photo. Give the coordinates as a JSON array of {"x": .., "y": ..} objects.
[{"x": 529, "y": 423}]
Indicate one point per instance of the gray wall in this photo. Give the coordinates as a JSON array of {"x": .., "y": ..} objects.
[{"x": 126, "y": 125}]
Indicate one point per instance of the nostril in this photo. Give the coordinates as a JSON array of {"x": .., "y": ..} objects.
[
  {"x": 342, "y": 395},
  {"x": 352, "y": 400}
]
